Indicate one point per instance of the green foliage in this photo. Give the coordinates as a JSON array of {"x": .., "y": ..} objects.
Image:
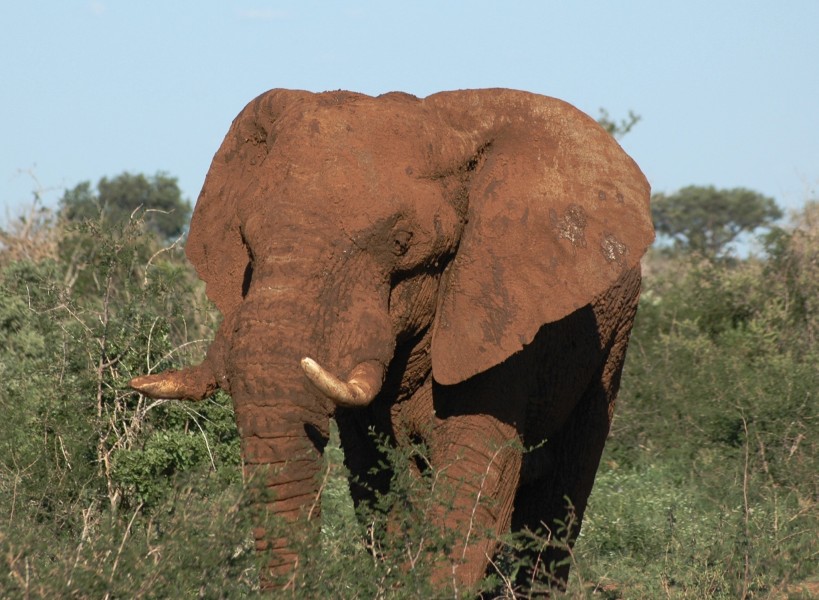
[
  {"x": 194, "y": 545},
  {"x": 98, "y": 225},
  {"x": 115, "y": 201},
  {"x": 707, "y": 220},
  {"x": 181, "y": 442},
  {"x": 794, "y": 264},
  {"x": 376, "y": 551},
  {"x": 94, "y": 479},
  {"x": 707, "y": 488},
  {"x": 391, "y": 548}
]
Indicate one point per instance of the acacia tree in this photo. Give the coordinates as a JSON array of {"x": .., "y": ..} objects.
[{"x": 707, "y": 220}]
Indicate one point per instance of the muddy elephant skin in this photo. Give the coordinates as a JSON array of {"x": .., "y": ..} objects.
[{"x": 462, "y": 268}]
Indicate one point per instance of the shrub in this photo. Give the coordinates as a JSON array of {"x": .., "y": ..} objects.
[
  {"x": 716, "y": 426},
  {"x": 707, "y": 487},
  {"x": 93, "y": 477}
]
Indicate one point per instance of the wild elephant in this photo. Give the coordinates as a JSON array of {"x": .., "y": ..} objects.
[{"x": 461, "y": 268}]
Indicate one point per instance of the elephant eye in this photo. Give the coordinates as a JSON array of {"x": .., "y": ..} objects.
[{"x": 401, "y": 242}]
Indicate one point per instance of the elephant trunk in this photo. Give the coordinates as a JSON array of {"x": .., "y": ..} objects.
[
  {"x": 282, "y": 421},
  {"x": 282, "y": 412}
]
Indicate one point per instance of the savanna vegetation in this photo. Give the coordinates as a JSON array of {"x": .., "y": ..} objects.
[{"x": 707, "y": 489}]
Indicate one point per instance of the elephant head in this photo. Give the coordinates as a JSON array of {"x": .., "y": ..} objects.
[{"x": 337, "y": 231}]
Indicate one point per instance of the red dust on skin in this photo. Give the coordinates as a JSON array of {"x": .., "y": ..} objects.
[{"x": 461, "y": 268}]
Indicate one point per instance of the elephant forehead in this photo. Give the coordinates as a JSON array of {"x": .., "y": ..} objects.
[
  {"x": 345, "y": 164},
  {"x": 360, "y": 170},
  {"x": 393, "y": 127}
]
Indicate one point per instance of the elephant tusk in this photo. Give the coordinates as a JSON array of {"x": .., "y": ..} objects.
[
  {"x": 359, "y": 390},
  {"x": 154, "y": 386},
  {"x": 187, "y": 384}
]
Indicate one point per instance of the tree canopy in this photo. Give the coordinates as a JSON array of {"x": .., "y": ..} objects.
[
  {"x": 707, "y": 220},
  {"x": 115, "y": 200}
]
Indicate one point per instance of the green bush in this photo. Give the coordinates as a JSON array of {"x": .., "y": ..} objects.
[
  {"x": 95, "y": 480},
  {"x": 707, "y": 487}
]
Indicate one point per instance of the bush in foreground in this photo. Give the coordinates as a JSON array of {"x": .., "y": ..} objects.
[{"x": 707, "y": 487}]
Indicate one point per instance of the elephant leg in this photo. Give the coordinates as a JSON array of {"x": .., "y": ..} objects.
[
  {"x": 555, "y": 500},
  {"x": 554, "y": 503},
  {"x": 476, "y": 459}
]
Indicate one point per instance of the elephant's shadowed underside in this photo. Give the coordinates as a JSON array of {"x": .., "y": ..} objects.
[{"x": 461, "y": 269}]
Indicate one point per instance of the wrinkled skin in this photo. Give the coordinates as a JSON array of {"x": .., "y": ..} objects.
[{"x": 469, "y": 261}]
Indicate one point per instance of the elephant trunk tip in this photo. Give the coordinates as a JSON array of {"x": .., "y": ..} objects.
[{"x": 360, "y": 389}]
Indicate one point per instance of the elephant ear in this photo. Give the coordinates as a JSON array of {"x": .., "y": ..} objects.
[
  {"x": 215, "y": 244},
  {"x": 557, "y": 212}
]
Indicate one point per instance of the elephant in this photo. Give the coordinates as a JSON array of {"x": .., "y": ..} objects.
[{"x": 461, "y": 269}]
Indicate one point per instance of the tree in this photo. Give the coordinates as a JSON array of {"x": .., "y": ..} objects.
[
  {"x": 615, "y": 129},
  {"x": 118, "y": 208},
  {"x": 115, "y": 200},
  {"x": 706, "y": 220}
]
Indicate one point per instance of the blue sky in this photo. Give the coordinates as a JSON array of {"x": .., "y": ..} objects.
[{"x": 728, "y": 91}]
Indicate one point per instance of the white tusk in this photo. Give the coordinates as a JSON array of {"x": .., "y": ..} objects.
[{"x": 361, "y": 388}]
